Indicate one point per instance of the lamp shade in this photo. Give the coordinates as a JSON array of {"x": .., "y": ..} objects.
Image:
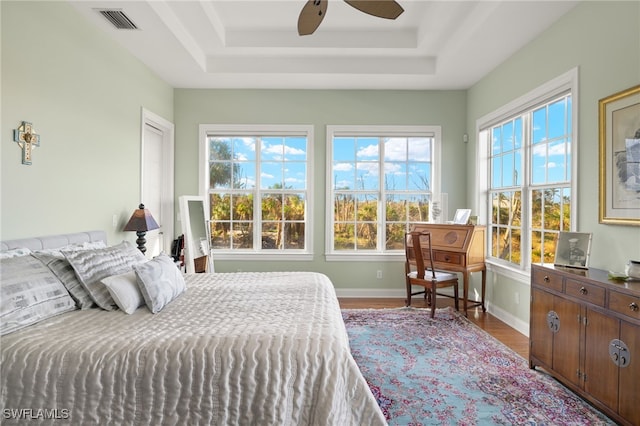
[{"x": 141, "y": 220}]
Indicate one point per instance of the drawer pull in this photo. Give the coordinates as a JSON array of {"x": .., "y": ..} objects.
[
  {"x": 583, "y": 290},
  {"x": 447, "y": 258},
  {"x": 619, "y": 353},
  {"x": 633, "y": 306},
  {"x": 546, "y": 279},
  {"x": 553, "y": 321}
]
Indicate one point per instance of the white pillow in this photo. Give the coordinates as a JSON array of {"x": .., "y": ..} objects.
[
  {"x": 124, "y": 290},
  {"x": 160, "y": 281}
]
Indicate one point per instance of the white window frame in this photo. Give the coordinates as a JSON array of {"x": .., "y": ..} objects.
[
  {"x": 207, "y": 130},
  {"x": 565, "y": 83},
  {"x": 374, "y": 131}
]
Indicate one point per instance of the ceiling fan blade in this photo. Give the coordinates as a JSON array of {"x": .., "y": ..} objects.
[
  {"x": 311, "y": 16},
  {"x": 389, "y": 9}
]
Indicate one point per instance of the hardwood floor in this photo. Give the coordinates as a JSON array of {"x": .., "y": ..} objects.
[{"x": 512, "y": 338}]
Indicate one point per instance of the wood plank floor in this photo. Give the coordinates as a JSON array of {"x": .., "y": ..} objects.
[{"x": 512, "y": 338}]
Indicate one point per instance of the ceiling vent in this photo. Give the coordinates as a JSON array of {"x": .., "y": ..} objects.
[{"x": 118, "y": 19}]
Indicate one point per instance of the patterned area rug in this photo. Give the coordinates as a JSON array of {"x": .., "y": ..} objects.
[{"x": 447, "y": 371}]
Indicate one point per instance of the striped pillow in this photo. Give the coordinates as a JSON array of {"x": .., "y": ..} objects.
[
  {"x": 91, "y": 266},
  {"x": 29, "y": 293},
  {"x": 66, "y": 274}
]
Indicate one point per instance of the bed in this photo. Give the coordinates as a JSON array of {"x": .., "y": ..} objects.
[{"x": 232, "y": 349}]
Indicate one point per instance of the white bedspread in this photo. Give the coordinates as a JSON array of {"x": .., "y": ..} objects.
[{"x": 234, "y": 349}]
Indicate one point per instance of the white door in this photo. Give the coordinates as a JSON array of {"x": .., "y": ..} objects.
[{"x": 157, "y": 180}]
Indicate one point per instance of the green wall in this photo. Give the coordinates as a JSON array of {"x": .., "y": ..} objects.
[
  {"x": 321, "y": 108},
  {"x": 84, "y": 94},
  {"x": 602, "y": 39}
]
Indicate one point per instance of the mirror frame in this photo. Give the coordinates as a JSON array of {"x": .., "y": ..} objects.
[{"x": 187, "y": 230}]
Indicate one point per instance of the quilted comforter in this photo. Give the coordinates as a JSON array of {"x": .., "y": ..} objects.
[{"x": 235, "y": 349}]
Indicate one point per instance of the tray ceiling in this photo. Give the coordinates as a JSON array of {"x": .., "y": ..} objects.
[{"x": 254, "y": 43}]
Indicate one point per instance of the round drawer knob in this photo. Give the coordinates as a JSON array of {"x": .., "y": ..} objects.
[
  {"x": 633, "y": 306},
  {"x": 546, "y": 279},
  {"x": 583, "y": 290}
]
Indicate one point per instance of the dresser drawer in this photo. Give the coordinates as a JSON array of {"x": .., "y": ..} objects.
[
  {"x": 585, "y": 292},
  {"x": 547, "y": 279},
  {"x": 625, "y": 304},
  {"x": 448, "y": 257}
]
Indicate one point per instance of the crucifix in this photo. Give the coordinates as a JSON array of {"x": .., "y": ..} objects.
[{"x": 27, "y": 138}]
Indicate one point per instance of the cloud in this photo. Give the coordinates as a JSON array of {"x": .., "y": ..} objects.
[
  {"x": 277, "y": 151},
  {"x": 369, "y": 168},
  {"x": 369, "y": 151},
  {"x": 343, "y": 167}
]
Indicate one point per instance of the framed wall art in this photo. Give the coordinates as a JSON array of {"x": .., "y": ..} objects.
[
  {"x": 573, "y": 249},
  {"x": 619, "y": 135}
]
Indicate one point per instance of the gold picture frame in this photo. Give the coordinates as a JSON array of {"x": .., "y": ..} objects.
[{"x": 619, "y": 137}]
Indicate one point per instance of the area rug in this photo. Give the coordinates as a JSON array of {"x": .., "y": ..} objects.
[{"x": 447, "y": 371}]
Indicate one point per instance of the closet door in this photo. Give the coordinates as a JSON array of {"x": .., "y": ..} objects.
[{"x": 157, "y": 177}]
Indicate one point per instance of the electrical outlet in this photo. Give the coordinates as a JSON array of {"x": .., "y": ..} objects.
[
  {"x": 379, "y": 274},
  {"x": 114, "y": 221},
  {"x": 516, "y": 298}
]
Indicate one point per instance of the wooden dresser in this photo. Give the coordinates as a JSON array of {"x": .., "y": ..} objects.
[
  {"x": 459, "y": 248},
  {"x": 585, "y": 331}
]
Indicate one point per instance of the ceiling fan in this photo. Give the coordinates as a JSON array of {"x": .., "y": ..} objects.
[{"x": 313, "y": 12}]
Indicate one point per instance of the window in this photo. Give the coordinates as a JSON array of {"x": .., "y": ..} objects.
[
  {"x": 258, "y": 182},
  {"x": 529, "y": 149},
  {"x": 380, "y": 182}
]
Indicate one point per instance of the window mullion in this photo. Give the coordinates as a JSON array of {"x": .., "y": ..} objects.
[
  {"x": 381, "y": 198},
  {"x": 526, "y": 224},
  {"x": 257, "y": 199}
]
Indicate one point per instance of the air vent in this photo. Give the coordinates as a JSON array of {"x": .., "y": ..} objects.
[{"x": 118, "y": 19}]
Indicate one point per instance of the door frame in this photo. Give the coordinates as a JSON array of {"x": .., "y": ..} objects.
[{"x": 168, "y": 142}]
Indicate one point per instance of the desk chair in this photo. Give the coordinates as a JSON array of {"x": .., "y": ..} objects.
[{"x": 418, "y": 249}]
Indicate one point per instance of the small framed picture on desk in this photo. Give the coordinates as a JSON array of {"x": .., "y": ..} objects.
[{"x": 462, "y": 216}]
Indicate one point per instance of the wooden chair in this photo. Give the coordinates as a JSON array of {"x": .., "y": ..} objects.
[{"x": 418, "y": 249}]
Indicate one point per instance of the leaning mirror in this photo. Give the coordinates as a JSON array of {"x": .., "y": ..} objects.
[{"x": 195, "y": 227}]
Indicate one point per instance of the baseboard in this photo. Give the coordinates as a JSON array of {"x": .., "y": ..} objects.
[
  {"x": 364, "y": 293},
  {"x": 510, "y": 320}
]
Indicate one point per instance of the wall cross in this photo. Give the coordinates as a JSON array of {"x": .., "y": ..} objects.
[{"x": 27, "y": 138}]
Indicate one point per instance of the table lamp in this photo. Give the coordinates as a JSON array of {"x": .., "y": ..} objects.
[{"x": 141, "y": 221}]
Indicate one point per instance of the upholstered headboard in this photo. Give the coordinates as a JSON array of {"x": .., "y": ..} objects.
[{"x": 54, "y": 241}]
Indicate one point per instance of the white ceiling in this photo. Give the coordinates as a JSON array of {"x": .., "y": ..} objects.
[{"x": 254, "y": 43}]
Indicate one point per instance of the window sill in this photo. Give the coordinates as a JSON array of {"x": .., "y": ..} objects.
[
  {"x": 361, "y": 257},
  {"x": 294, "y": 257},
  {"x": 522, "y": 276}
]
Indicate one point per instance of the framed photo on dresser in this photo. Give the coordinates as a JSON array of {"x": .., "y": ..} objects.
[{"x": 573, "y": 249}]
